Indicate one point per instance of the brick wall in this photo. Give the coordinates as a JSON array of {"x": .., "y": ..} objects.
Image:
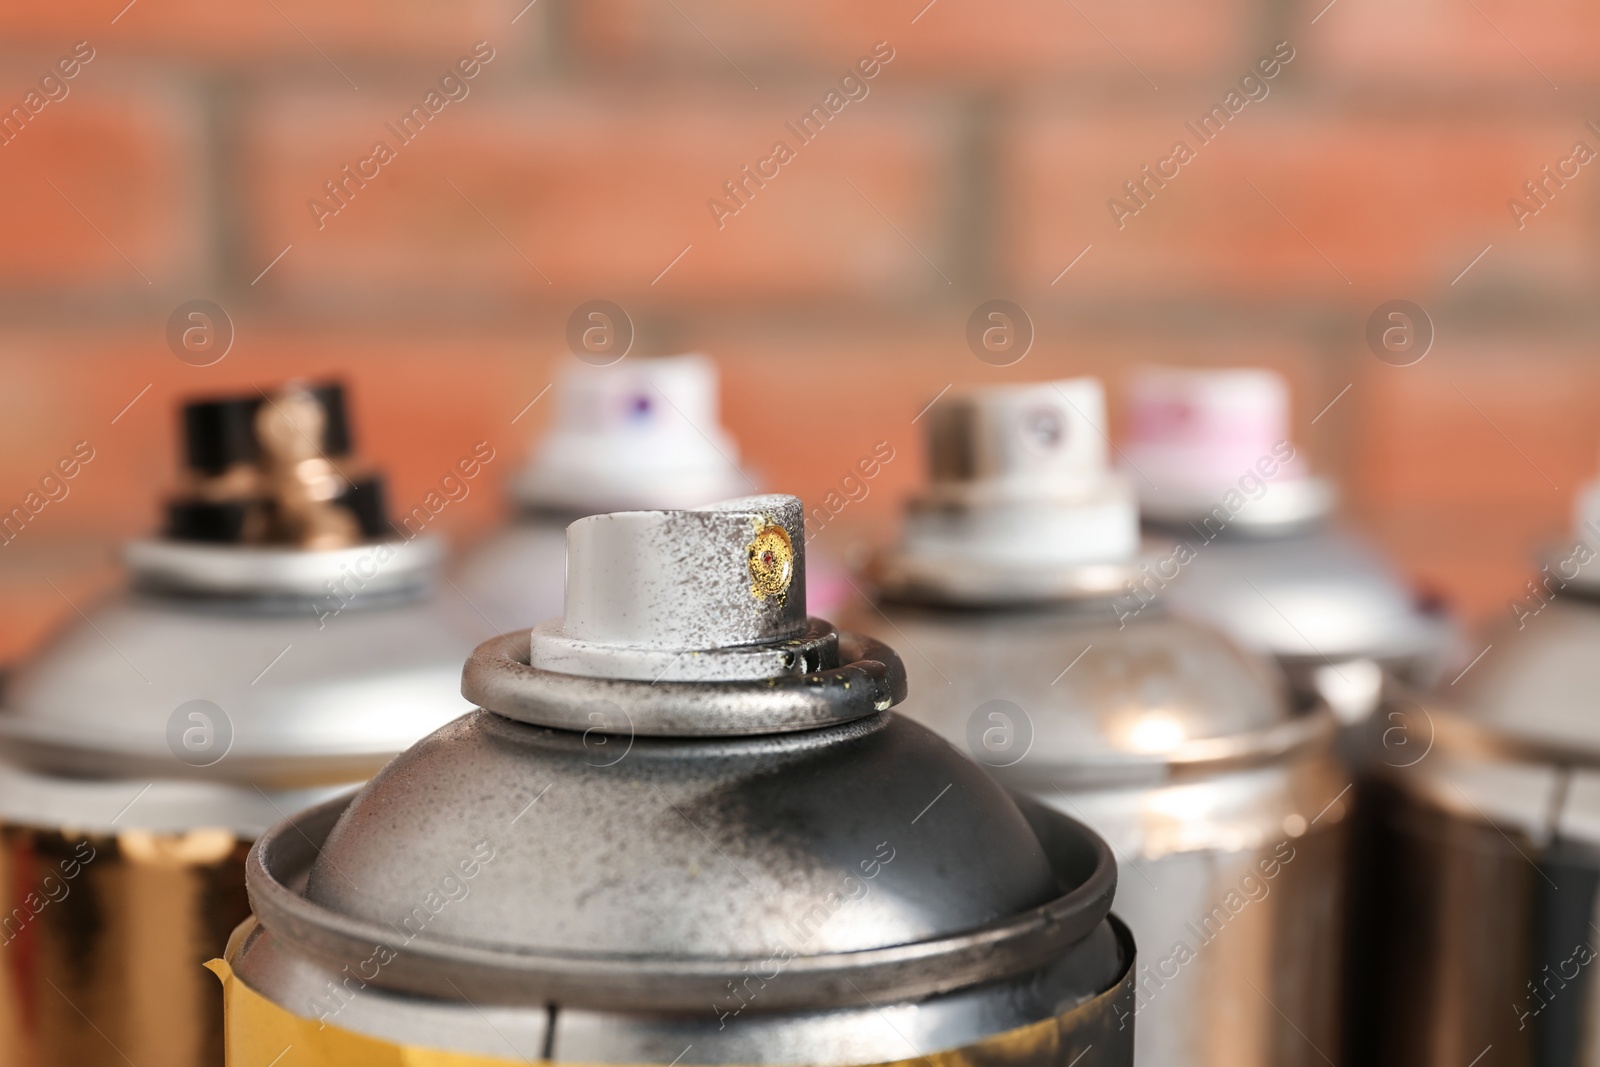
[{"x": 181, "y": 161}]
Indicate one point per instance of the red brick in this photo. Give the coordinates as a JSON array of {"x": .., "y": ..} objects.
[
  {"x": 1473, "y": 558},
  {"x": 948, "y": 40},
  {"x": 81, "y": 569},
  {"x": 223, "y": 32},
  {"x": 1442, "y": 43},
  {"x": 1399, "y": 206},
  {"x": 1473, "y": 425},
  {"x": 1468, "y": 461},
  {"x": 600, "y": 195},
  {"x": 125, "y": 167}
]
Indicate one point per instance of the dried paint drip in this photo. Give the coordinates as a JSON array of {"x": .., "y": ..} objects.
[{"x": 771, "y": 561}]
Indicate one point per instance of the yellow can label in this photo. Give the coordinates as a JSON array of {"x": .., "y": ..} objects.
[{"x": 260, "y": 1032}]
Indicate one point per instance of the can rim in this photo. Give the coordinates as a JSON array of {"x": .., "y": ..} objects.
[
  {"x": 870, "y": 678},
  {"x": 1297, "y": 505},
  {"x": 1310, "y": 728},
  {"x": 277, "y": 865},
  {"x": 194, "y": 567},
  {"x": 1452, "y": 731},
  {"x": 905, "y": 578}
]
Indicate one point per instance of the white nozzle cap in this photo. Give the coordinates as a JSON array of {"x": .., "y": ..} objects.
[
  {"x": 725, "y": 575},
  {"x": 1019, "y": 478},
  {"x": 640, "y": 434},
  {"x": 1023, "y": 441}
]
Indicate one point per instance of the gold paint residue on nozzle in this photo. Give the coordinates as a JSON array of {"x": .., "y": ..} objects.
[
  {"x": 771, "y": 556},
  {"x": 303, "y": 483}
]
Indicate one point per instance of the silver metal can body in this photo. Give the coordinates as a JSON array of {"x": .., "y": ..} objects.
[
  {"x": 517, "y": 575},
  {"x": 852, "y": 893},
  {"x": 1332, "y": 612},
  {"x": 1480, "y": 858},
  {"x": 773, "y": 1008},
  {"x": 640, "y": 433},
  {"x": 1224, "y": 807},
  {"x": 141, "y": 751},
  {"x": 683, "y": 827}
]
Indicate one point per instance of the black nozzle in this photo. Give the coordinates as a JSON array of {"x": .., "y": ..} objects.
[
  {"x": 220, "y": 433},
  {"x": 364, "y": 498},
  {"x": 218, "y": 522},
  {"x": 336, "y": 422}
]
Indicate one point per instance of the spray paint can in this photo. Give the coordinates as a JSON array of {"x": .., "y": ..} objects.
[
  {"x": 640, "y": 433},
  {"x": 683, "y": 827},
  {"x": 1036, "y": 636},
  {"x": 1480, "y": 827},
  {"x": 274, "y": 647},
  {"x": 1210, "y": 454}
]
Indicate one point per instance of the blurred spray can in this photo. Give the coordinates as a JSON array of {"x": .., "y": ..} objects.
[
  {"x": 276, "y": 645},
  {"x": 1210, "y": 455},
  {"x": 684, "y": 828},
  {"x": 640, "y": 433},
  {"x": 1480, "y": 835},
  {"x": 1036, "y": 637}
]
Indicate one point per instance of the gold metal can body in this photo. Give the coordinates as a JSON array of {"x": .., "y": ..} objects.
[
  {"x": 1097, "y": 1032},
  {"x": 103, "y": 941}
]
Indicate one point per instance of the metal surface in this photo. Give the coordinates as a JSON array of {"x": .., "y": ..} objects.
[
  {"x": 1316, "y": 600},
  {"x": 662, "y": 937},
  {"x": 114, "y": 929},
  {"x": 1100, "y": 1025},
  {"x": 1184, "y": 753},
  {"x": 1482, "y": 858},
  {"x": 643, "y": 433},
  {"x": 227, "y": 687},
  {"x": 235, "y": 570},
  {"x": 612, "y": 896},
  {"x": 1161, "y": 691},
  {"x": 550, "y": 648},
  {"x": 1219, "y": 795},
  {"x": 84, "y": 749},
  {"x": 652, "y": 923},
  {"x": 974, "y": 582},
  {"x": 1210, "y": 451},
  {"x": 516, "y": 576},
  {"x": 859, "y": 676},
  {"x": 98, "y": 698},
  {"x": 1287, "y": 508}
]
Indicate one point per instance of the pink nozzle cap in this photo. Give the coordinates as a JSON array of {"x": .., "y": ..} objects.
[{"x": 1197, "y": 430}]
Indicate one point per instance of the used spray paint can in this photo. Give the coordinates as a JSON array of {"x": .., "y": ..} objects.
[
  {"x": 275, "y": 646},
  {"x": 640, "y": 433},
  {"x": 1210, "y": 455},
  {"x": 1035, "y": 638},
  {"x": 683, "y": 827},
  {"x": 1480, "y": 830}
]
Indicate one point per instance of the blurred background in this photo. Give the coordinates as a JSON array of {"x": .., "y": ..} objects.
[{"x": 225, "y": 152}]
